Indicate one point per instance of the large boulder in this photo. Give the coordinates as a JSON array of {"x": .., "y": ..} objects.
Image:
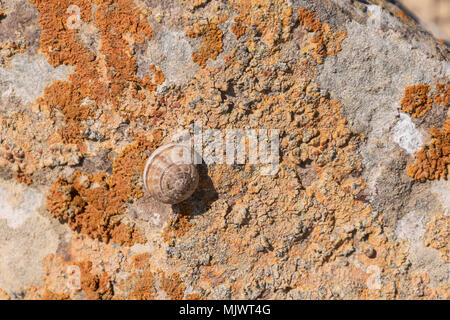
[{"x": 349, "y": 97}]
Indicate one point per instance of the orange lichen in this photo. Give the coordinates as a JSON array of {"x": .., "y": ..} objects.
[
  {"x": 158, "y": 75},
  {"x": 438, "y": 235},
  {"x": 142, "y": 285},
  {"x": 60, "y": 283},
  {"x": 95, "y": 286},
  {"x": 432, "y": 161},
  {"x": 325, "y": 42},
  {"x": 92, "y": 204},
  {"x": 401, "y": 14},
  {"x": 329, "y": 43},
  {"x": 238, "y": 28},
  {"x": 308, "y": 19},
  {"x": 116, "y": 47},
  {"x": 61, "y": 47},
  {"x": 120, "y": 27},
  {"x": 90, "y": 211},
  {"x": 50, "y": 295},
  {"x": 9, "y": 49},
  {"x": 173, "y": 286},
  {"x": 177, "y": 227},
  {"x": 23, "y": 178},
  {"x": 271, "y": 20},
  {"x": 141, "y": 280},
  {"x": 442, "y": 97},
  {"x": 211, "y": 45},
  {"x": 193, "y": 296},
  {"x": 141, "y": 260},
  {"x": 4, "y": 295},
  {"x": 416, "y": 100}
]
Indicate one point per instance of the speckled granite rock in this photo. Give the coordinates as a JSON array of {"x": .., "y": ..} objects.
[{"x": 359, "y": 205}]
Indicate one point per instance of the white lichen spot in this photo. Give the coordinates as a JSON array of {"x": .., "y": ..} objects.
[
  {"x": 172, "y": 53},
  {"x": 16, "y": 206},
  {"x": 441, "y": 189},
  {"x": 27, "y": 77},
  {"x": 410, "y": 227},
  {"x": 406, "y": 135},
  {"x": 375, "y": 16}
]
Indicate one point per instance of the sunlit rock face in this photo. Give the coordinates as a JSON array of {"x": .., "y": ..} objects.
[{"x": 323, "y": 127}]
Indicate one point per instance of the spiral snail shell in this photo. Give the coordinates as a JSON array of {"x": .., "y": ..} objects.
[{"x": 170, "y": 175}]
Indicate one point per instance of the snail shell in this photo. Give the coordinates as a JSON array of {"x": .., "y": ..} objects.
[{"x": 170, "y": 175}]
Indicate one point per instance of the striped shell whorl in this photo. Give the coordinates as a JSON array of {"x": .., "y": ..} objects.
[{"x": 170, "y": 174}]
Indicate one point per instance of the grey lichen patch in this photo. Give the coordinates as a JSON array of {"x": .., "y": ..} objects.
[
  {"x": 172, "y": 53},
  {"x": 422, "y": 259},
  {"x": 406, "y": 135},
  {"x": 22, "y": 251},
  {"x": 229, "y": 44},
  {"x": 441, "y": 189},
  {"x": 411, "y": 226},
  {"x": 18, "y": 203},
  {"x": 26, "y": 237},
  {"x": 428, "y": 260},
  {"x": 20, "y": 24},
  {"x": 373, "y": 68},
  {"x": 378, "y": 60},
  {"x": 26, "y": 77},
  {"x": 90, "y": 37},
  {"x": 308, "y": 232}
]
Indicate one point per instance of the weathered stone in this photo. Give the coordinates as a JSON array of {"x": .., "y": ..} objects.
[{"x": 358, "y": 206}]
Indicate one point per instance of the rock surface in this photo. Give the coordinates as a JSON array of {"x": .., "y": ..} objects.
[{"x": 358, "y": 208}]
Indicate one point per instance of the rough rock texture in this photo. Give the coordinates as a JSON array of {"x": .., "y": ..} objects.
[{"x": 359, "y": 207}]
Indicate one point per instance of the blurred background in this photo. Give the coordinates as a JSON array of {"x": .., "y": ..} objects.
[{"x": 433, "y": 14}]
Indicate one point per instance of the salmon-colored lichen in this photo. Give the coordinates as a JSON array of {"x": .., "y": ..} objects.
[
  {"x": 22, "y": 177},
  {"x": 271, "y": 20},
  {"x": 92, "y": 204},
  {"x": 50, "y": 295},
  {"x": 212, "y": 43},
  {"x": 238, "y": 28},
  {"x": 120, "y": 26},
  {"x": 432, "y": 161},
  {"x": 177, "y": 226},
  {"x": 308, "y": 19},
  {"x": 438, "y": 234},
  {"x": 401, "y": 14},
  {"x": 416, "y": 100},
  {"x": 4, "y": 295},
  {"x": 173, "y": 286},
  {"x": 193, "y": 296},
  {"x": 95, "y": 286},
  {"x": 142, "y": 284},
  {"x": 442, "y": 97}
]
